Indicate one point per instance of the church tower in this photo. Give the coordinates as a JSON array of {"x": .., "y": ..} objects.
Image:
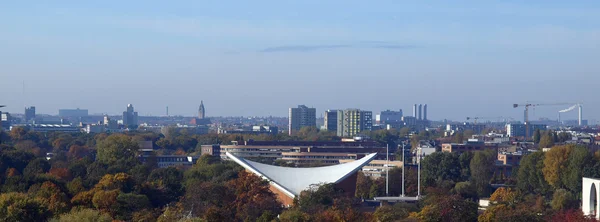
[{"x": 201, "y": 111}]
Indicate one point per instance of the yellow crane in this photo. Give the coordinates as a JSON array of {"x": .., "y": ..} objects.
[{"x": 527, "y": 105}]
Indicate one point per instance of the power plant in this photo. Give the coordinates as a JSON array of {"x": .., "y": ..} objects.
[
  {"x": 580, "y": 113},
  {"x": 420, "y": 111}
]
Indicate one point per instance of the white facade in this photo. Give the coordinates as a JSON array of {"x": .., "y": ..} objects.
[
  {"x": 292, "y": 181},
  {"x": 590, "y": 198}
]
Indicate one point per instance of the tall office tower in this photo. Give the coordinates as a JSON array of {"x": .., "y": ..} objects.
[
  {"x": 201, "y": 110},
  {"x": 420, "y": 117},
  {"x": 331, "y": 120},
  {"x": 415, "y": 111},
  {"x": 130, "y": 117},
  {"x": 29, "y": 113},
  {"x": 353, "y": 121},
  {"x": 425, "y": 112},
  {"x": 301, "y": 117}
]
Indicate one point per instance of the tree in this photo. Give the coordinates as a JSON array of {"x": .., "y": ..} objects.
[
  {"x": 482, "y": 167},
  {"x": 35, "y": 167},
  {"x": 530, "y": 177},
  {"x": 563, "y": 200},
  {"x": 537, "y": 135},
  {"x": 389, "y": 213},
  {"x": 20, "y": 207},
  {"x": 450, "y": 208},
  {"x": 579, "y": 157},
  {"x": 439, "y": 166},
  {"x": 555, "y": 161},
  {"x": 83, "y": 215},
  {"x": 363, "y": 184},
  {"x": 117, "y": 149},
  {"x": 253, "y": 197},
  {"x": 547, "y": 140}
]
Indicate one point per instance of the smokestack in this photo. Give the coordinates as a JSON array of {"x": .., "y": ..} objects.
[
  {"x": 415, "y": 111},
  {"x": 580, "y": 115},
  {"x": 420, "y": 112},
  {"x": 425, "y": 112},
  {"x": 167, "y": 110}
]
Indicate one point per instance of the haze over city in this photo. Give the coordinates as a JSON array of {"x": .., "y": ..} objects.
[{"x": 467, "y": 58}]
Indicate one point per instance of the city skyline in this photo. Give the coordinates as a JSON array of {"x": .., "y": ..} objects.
[{"x": 469, "y": 58}]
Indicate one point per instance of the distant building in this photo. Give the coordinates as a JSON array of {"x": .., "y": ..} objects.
[
  {"x": 353, "y": 121},
  {"x": 468, "y": 147},
  {"x": 29, "y": 113},
  {"x": 44, "y": 128},
  {"x": 331, "y": 120},
  {"x": 201, "y": 119},
  {"x": 388, "y": 116},
  {"x": 110, "y": 124},
  {"x": 5, "y": 120},
  {"x": 519, "y": 129},
  {"x": 73, "y": 112},
  {"x": 301, "y": 117},
  {"x": 201, "y": 110},
  {"x": 130, "y": 117},
  {"x": 252, "y": 130}
]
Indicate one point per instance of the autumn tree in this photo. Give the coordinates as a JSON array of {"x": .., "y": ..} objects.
[
  {"x": 555, "y": 163},
  {"x": 21, "y": 207},
  {"x": 83, "y": 215},
  {"x": 253, "y": 197},
  {"x": 450, "y": 208}
]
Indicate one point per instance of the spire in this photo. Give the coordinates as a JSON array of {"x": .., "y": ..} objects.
[{"x": 201, "y": 111}]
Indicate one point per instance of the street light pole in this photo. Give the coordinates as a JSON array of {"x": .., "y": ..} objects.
[
  {"x": 387, "y": 170},
  {"x": 419, "y": 174},
  {"x": 403, "y": 165}
]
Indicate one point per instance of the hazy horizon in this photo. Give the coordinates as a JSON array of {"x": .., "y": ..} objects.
[{"x": 259, "y": 58}]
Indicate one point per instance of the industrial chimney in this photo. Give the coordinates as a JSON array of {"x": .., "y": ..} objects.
[
  {"x": 580, "y": 115},
  {"x": 420, "y": 112},
  {"x": 425, "y": 112}
]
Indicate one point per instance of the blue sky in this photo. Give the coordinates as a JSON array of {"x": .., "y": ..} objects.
[{"x": 463, "y": 58}]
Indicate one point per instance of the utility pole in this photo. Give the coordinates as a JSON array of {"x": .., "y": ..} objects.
[
  {"x": 403, "y": 165},
  {"x": 387, "y": 170},
  {"x": 419, "y": 174}
]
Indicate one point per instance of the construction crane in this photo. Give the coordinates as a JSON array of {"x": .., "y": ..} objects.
[{"x": 527, "y": 105}]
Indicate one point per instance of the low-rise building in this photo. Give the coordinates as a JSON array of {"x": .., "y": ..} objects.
[{"x": 470, "y": 145}]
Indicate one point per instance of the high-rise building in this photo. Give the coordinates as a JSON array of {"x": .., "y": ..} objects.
[
  {"x": 420, "y": 117},
  {"x": 388, "y": 116},
  {"x": 331, "y": 120},
  {"x": 301, "y": 117},
  {"x": 353, "y": 121},
  {"x": 415, "y": 111},
  {"x": 29, "y": 113},
  {"x": 425, "y": 112},
  {"x": 130, "y": 117},
  {"x": 201, "y": 110}
]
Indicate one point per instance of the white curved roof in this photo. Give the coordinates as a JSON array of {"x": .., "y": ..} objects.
[{"x": 292, "y": 181}]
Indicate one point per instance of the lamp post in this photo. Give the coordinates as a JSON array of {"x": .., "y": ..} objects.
[
  {"x": 387, "y": 170},
  {"x": 403, "y": 165}
]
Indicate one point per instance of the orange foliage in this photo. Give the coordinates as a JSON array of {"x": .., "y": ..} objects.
[
  {"x": 11, "y": 172},
  {"x": 77, "y": 152},
  {"x": 61, "y": 173}
]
